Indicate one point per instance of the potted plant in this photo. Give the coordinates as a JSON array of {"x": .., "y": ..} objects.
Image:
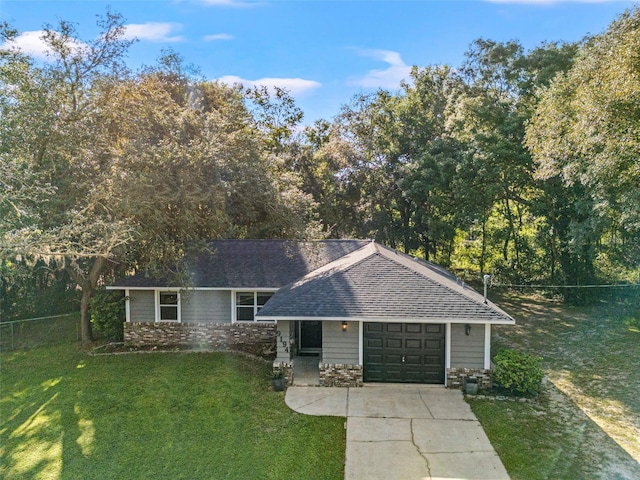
[
  {"x": 277, "y": 381},
  {"x": 471, "y": 386}
]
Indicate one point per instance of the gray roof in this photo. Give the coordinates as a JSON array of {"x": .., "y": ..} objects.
[
  {"x": 268, "y": 264},
  {"x": 379, "y": 284}
]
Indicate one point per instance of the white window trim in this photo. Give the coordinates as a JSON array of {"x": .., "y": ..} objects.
[
  {"x": 157, "y": 303},
  {"x": 234, "y": 310}
]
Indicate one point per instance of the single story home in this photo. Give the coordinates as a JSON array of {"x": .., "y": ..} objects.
[{"x": 361, "y": 311}]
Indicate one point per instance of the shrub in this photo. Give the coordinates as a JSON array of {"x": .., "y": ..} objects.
[
  {"x": 517, "y": 372},
  {"x": 108, "y": 314}
]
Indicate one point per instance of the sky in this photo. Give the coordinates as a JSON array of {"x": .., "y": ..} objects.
[{"x": 323, "y": 52}]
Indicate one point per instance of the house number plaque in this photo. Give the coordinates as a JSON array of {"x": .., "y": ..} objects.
[{"x": 284, "y": 343}]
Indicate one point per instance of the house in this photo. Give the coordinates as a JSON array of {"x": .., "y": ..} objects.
[{"x": 362, "y": 312}]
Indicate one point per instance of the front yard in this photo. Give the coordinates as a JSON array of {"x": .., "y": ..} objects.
[
  {"x": 67, "y": 415},
  {"x": 586, "y": 424}
]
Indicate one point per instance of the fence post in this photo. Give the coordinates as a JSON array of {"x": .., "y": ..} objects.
[{"x": 12, "y": 345}]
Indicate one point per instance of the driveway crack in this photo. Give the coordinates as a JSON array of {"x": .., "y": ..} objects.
[
  {"x": 425, "y": 404},
  {"x": 413, "y": 441},
  {"x": 319, "y": 399}
]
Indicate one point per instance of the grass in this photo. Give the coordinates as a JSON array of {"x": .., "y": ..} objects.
[
  {"x": 67, "y": 415},
  {"x": 586, "y": 423}
]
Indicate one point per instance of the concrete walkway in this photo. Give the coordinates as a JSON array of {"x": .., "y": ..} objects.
[{"x": 405, "y": 432}]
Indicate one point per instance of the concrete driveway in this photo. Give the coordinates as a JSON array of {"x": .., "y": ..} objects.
[{"x": 405, "y": 432}]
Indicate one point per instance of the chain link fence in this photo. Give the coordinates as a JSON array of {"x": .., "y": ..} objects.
[{"x": 36, "y": 332}]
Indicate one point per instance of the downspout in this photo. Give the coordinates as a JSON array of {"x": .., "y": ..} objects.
[{"x": 127, "y": 305}]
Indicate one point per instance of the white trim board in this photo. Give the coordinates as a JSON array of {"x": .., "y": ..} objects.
[
  {"x": 240, "y": 289},
  {"x": 390, "y": 320}
]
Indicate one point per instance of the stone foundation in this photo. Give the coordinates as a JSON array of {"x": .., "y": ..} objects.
[
  {"x": 340, "y": 375},
  {"x": 209, "y": 336},
  {"x": 456, "y": 376},
  {"x": 287, "y": 371}
]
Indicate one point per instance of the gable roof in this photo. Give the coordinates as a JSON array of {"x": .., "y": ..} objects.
[
  {"x": 268, "y": 264},
  {"x": 379, "y": 284}
]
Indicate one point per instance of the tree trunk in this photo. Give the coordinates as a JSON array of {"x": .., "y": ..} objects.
[
  {"x": 85, "y": 318},
  {"x": 88, "y": 282}
]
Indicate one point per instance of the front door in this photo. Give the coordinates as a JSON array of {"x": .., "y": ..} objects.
[{"x": 310, "y": 336}]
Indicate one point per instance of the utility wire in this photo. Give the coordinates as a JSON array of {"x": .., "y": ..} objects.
[{"x": 618, "y": 285}]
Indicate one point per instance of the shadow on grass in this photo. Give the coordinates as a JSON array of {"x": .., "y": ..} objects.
[
  {"x": 552, "y": 439},
  {"x": 67, "y": 416},
  {"x": 590, "y": 352}
]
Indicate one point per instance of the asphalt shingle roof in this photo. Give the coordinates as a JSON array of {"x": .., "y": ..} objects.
[
  {"x": 254, "y": 263},
  {"x": 381, "y": 284},
  {"x": 335, "y": 279}
]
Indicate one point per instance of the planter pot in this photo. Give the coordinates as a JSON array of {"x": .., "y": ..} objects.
[
  {"x": 471, "y": 386},
  {"x": 278, "y": 384}
]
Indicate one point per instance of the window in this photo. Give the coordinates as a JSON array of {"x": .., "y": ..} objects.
[
  {"x": 248, "y": 304},
  {"x": 168, "y": 307}
]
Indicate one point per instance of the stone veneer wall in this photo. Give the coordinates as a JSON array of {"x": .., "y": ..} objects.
[
  {"x": 340, "y": 375},
  {"x": 456, "y": 376},
  {"x": 287, "y": 371},
  {"x": 215, "y": 336}
]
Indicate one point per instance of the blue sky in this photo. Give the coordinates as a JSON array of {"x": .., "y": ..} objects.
[{"x": 324, "y": 52}]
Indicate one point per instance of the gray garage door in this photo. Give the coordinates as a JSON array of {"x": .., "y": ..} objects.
[{"x": 404, "y": 352}]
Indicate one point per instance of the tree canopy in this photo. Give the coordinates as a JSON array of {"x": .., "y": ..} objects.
[
  {"x": 519, "y": 163},
  {"x": 107, "y": 170}
]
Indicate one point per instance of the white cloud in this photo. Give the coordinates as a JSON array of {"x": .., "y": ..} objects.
[
  {"x": 153, "y": 31},
  {"x": 31, "y": 43},
  {"x": 390, "y": 77},
  {"x": 217, "y": 36},
  {"x": 295, "y": 86}
]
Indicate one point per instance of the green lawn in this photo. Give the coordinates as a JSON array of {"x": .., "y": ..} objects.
[
  {"x": 67, "y": 415},
  {"x": 586, "y": 423}
]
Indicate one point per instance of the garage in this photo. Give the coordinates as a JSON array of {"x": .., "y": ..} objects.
[{"x": 404, "y": 352}]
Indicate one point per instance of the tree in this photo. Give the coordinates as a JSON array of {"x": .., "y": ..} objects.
[
  {"x": 141, "y": 167},
  {"x": 397, "y": 163},
  {"x": 276, "y": 115},
  {"x": 49, "y": 127},
  {"x": 497, "y": 169},
  {"x": 432, "y": 159},
  {"x": 497, "y": 190},
  {"x": 586, "y": 127},
  {"x": 585, "y": 133}
]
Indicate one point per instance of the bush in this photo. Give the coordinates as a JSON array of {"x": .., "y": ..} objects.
[
  {"x": 517, "y": 372},
  {"x": 108, "y": 314}
]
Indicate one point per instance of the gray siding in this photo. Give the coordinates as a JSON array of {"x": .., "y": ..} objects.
[
  {"x": 142, "y": 304},
  {"x": 340, "y": 346},
  {"x": 284, "y": 335},
  {"x": 467, "y": 351},
  {"x": 197, "y": 306},
  {"x": 206, "y": 306}
]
